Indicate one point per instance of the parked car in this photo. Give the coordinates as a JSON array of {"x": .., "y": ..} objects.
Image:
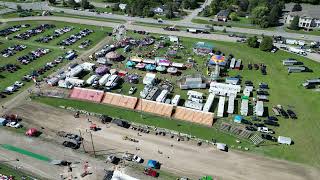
[
  {"x": 150, "y": 172},
  {"x": 132, "y": 90},
  {"x": 272, "y": 118},
  {"x": 14, "y": 124},
  {"x": 291, "y": 114},
  {"x": 265, "y": 130},
  {"x": 272, "y": 123},
  {"x": 113, "y": 159},
  {"x": 71, "y": 144},
  {"x": 32, "y": 132},
  {"x": 251, "y": 128},
  {"x": 269, "y": 137},
  {"x": 258, "y": 124},
  {"x": 137, "y": 159},
  {"x": 246, "y": 122}
]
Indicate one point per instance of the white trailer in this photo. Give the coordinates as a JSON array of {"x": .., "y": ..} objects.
[
  {"x": 112, "y": 81},
  {"x": 208, "y": 104},
  {"x": 221, "y": 106},
  {"x": 65, "y": 84},
  {"x": 75, "y": 71},
  {"x": 53, "y": 81},
  {"x": 75, "y": 81},
  {"x": 231, "y": 105},
  {"x": 284, "y": 140},
  {"x": 162, "y": 96},
  {"x": 175, "y": 100},
  {"x": 103, "y": 80},
  {"x": 233, "y": 63},
  {"x": 193, "y": 105},
  {"x": 297, "y": 50},
  {"x": 259, "y": 109},
  {"x": 244, "y": 107},
  {"x": 91, "y": 79}
]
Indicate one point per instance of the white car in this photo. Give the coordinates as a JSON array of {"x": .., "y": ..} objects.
[
  {"x": 265, "y": 130},
  {"x": 137, "y": 159},
  {"x": 18, "y": 83},
  {"x": 132, "y": 90},
  {"x": 14, "y": 125}
]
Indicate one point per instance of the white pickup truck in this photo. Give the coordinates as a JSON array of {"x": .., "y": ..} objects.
[{"x": 265, "y": 130}]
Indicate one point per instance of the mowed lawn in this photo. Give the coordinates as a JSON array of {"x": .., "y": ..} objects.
[
  {"x": 17, "y": 174},
  {"x": 285, "y": 89},
  {"x": 8, "y": 79}
]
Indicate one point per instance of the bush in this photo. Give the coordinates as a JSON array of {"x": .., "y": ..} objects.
[
  {"x": 253, "y": 42},
  {"x": 266, "y": 44}
]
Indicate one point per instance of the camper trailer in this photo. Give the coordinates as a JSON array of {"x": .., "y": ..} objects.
[{"x": 103, "y": 80}]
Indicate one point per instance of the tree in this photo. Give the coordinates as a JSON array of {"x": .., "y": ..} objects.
[
  {"x": 243, "y": 5},
  {"x": 19, "y": 8},
  {"x": 274, "y": 15},
  {"x": 253, "y": 42},
  {"x": 206, "y": 12},
  {"x": 260, "y": 16},
  {"x": 266, "y": 44},
  {"x": 296, "y": 7},
  {"x": 170, "y": 11},
  {"x": 85, "y": 4},
  {"x": 224, "y": 30},
  {"x": 73, "y": 3},
  {"x": 215, "y": 7},
  {"x": 295, "y": 23},
  {"x": 52, "y": 1},
  {"x": 234, "y": 16}
]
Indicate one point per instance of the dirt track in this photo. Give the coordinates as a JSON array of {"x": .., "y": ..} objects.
[{"x": 184, "y": 158}]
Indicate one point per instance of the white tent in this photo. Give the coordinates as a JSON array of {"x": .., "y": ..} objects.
[
  {"x": 221, "y": 106},
  {"x": 284, "y": 140},
  {"x": 208, "y": 104},
  {"x": 259, "y": 109}
]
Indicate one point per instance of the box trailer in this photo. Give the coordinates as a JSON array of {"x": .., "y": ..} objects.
[
  {"x": 75, "y": 82},
  {"x": 209, "y": 102},
  {"x": 162, "y": 96},
  {"x": 231, "y": 105},
  {"x": 244, "y": 107},
  {"x": 112, "y": 81},
  {"x": 103, "y": 80},
  {"x": 259, "y": 109},
  {"x": 221, "y": 106},
  {"x": 91, "y": 79},
  {"x": 175, "y": 100}
]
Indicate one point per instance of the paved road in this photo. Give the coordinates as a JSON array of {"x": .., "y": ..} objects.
[
  {"x": 218, "y": 37},
  {"x": 45, "y": 6},
  {"x": 195, "y": 12}
]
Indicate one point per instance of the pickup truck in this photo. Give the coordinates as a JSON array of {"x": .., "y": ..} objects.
[{"x": 265, "y": 130}]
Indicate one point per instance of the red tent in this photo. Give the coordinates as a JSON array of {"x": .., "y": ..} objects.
[{"x": 31, "y": 132}]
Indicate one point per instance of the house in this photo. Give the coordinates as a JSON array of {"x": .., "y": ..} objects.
[
  {"x": 159, "y": 10},
  {"x": 122, "y": 6},
  {"x": 174, "y": 39},
  {"x": 223, "y": 15},
  {"x": 309, "y": 16}
]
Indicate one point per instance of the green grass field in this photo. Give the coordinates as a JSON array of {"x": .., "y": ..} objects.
[
  {"x": 18, "y": 174},
  {"x": 8, "y": 78},
  {"x": 314, "y": 32},
  {"x": 242, "y": 23},
  {"x": 285, "y": 89}
]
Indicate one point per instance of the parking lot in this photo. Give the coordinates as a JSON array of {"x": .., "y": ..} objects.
[{"x": 32, "y": 50}]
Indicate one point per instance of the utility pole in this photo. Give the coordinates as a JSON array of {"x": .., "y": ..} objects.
[
  {"x": 82, "y": 141},
  {"x": 94, "y": 152}
]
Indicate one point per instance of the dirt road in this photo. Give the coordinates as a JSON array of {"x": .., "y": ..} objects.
[{"x": 184, "y": 158}]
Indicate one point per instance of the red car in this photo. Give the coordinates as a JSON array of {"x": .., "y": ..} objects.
[
  {"x": 32, "y": 132},
  {"x": 150, "y": 172}
]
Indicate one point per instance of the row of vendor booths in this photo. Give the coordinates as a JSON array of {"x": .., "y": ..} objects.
[
  {"x": 228, "y": 92},
  {"x": 159, "y": 64}
]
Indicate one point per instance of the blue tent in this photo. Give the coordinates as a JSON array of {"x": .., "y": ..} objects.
[
  {"x": 3, "y": 121},
  {"x": 152, "y": 164},
  {"x": 237, "y": 119}
]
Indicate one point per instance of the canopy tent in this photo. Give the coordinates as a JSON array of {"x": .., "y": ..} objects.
[
  {"x": 140, "y": 65},
  {"x": 102, "y": 70},
  {"x": 113, "y": 56},
  {"x": 136, "y": 59},
  {"x": 153, "y": 164},
  {"x": 217, "y": 59},
  {"x": 130, "y": 64},
  {"x": 150, "y": 67},
  {"x": 161, "y": 68},
  {"x": 237, "y": 119},
  {"x": 172, "y": 70}
]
